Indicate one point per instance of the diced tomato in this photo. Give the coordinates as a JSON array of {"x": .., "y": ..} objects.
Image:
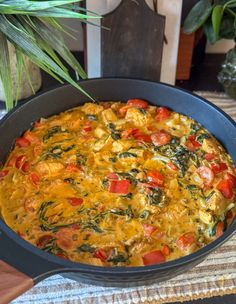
[
  {"x": 34, "y": 178},
  {"x": 148, "y": 229},
  {"x": 129, "y": 132},
  {"x": 160, "y": 138},
  {"x": 87, "y": 127},
  {"x": 20, "y": 161},
  {"x": 154, "y": 257},
  {"x": 64, "y": 238},
  {"x": 62, "y": 256},
  {"x": 219, "y": 229},
  {"x": 30, "y": 136},
  {"x": 209, "y": 156},
  {"x": 112, "y": 175},
  {"x": 190, "y": 145},
  {"x": 119, "y": 186},
  {"x": 193, "y": 140},
  {"x": 206, "y": 174},
  {"x": 162, "y": 113},
  {"x": 75, "y": 201},
  {"x": 25, "y": 167},
  {"x": 22, "y": 142},
  {"x": 166, "y": 250},
  {"x": 43, "y": 240},
  {"x": 156, "y": 177},
  {"x": 229, "y": 216},
  {"x": 232, "y": 179},
  {"x": 12, "y": 161},
  {"x": 123, "y": 110},
  {"x": 172, "y": 166},
  {"x": 100, "y": 254},
  {"x": 218, "y": 168},
  {"x": 143, "y": 137},
  {"x": 226, "y": 189},
  {"x": 137, "y": 103},
  {"x": 37, "y": 124},
  {"x": 72, "y": 168},
  {"x": 3, "y": 173},
  {"x": 186, "y": 240}
]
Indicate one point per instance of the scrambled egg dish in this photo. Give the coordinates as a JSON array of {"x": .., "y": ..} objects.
[{"x": 114, "y": 184}]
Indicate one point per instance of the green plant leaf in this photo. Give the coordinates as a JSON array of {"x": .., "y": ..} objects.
[
  {"x": 209, "y": 31},
  {"x": 216, "y": 18},
  {"x": 5, "y": 72},
  {"x": 20, "y": 64},
  {"x": 227, "y": 30},
  {"x": 197, "y": 16}
]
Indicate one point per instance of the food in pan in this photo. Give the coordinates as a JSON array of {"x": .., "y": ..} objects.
[{"x": 114, "y": 184}]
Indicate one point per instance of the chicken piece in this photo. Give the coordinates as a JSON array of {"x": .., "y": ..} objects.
[
  {"x": 205, "y": 217},
  {"x": 49, "y": 169},
  {"x": 91, "y": 108},
  {"x": 100, "y": 132},
  {"x": 217, "y": 202},
  {"x": 121, "y": 145},
  {"x": 137, "y": 117},
  {"x": 211, "y": 146},
  {"x": 108, "y": 115},
  {"x": 101, "y": 143}
]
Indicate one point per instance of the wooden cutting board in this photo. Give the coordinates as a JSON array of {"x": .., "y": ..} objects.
[{"x": 133, "y": 45}]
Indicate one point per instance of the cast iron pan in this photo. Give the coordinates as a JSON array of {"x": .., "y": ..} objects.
[{"x": 23, "y": 265}]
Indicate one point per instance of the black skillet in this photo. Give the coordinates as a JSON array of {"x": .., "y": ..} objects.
[{"x": 23, "y": 265}]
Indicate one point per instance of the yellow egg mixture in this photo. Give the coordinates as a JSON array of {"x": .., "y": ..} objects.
[{"x": 114, "y": 184}]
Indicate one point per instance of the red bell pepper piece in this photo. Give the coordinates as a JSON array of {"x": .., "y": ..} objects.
[
  {"x": 137, "y": 103},
  {"x": 75, "y": 201},
  {"x": 22, "y": 142},
  {"x": 119, "y": 186},
  {"x": 156, "y": 178},
  {"x": 162, "y": 113},
  {"x": 218, "y": 168},
  {"x": 226, "y": 188},
  {"x": 154, "y": 257},
  {"x": 100, "y": 254},
  {"x": 185, "y": 240}
]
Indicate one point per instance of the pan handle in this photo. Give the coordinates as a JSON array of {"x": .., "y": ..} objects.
[{"x": 20, "y": 269}]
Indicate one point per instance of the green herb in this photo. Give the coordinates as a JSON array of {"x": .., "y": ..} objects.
[
  {"x": 210, "y": 195},
  {"x": 51, "y": 132},
  {"x": 128, "y": 176},
  {"x": 92, "y": 226},
  {"x": 91, "y": 117},
  {"x": 127, "y": 154},
  {"x": 113, "y": 159},
  {"x": 69, "y": 148},
  {"x": 115, "y": 134},
  {"x": 86, "y": 248},
  {"x": 144, "y": 214},
  {"x": 155, "y": 196},
  {"x": 201, "y": 137},
  {"x": 118, "y": 257},
  {"x": 128, "y": 196},
  {"x": 195, "y": 127},
  {"x": 143, "y": 111},
  {"x": 194, "y": 190},
  {"x": 81, "y": 159},
  {"x": 134, "y": 171}
]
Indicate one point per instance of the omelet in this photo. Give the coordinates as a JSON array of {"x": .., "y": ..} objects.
[{"x": 118, "y": 184}]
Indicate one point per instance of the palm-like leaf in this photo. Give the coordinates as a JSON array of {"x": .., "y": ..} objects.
[{"x": 33, "y": 27}]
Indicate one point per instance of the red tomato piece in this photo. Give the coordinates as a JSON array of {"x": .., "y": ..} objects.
[
  {"x": 119, "y": 186},
  {"x": 154, "y": 257},
  {"x": 137, "y": 103},
  {"x": 206, "y": 174},
  {"x": 143, "y": 137},
  {"x": 226, "y": 189},
  {"x": 172, "y": 166},
  {"x": 72, "y": 168},
  {"x": 232, "y": 179},
  {"x": 12, "y": 161},
  {"x": 195, "y": 143},
  {"x": 100, "y": 254},
  {"x": 209, "y": 156},
  {"x": 219, "y": 229},
  {"x": 34, "y": 178},
  {"x": 20, "y": 161},
  {"x": 25, "y": 167},
  {"x": 156, "y": 178},
  {"x": 43, "y": 240},
  {"x": 166, "y": 250},
  {"x": 22, "y": 142},
  {"x": 129, "y": 132},
  {"x": 62, "y": 256},
  {"x": 112, "y": 175},
  {"x": 186, "y": 240},
  {"x": 75, "y": 201},
  {"x": 229, "y": 217},
  {"x": 148, "y": 229},
  {"x": 87, "y": 126},
  {"x": 162, "y": 113},
  {"x": 30, "y": 136},
  {"x": 190, "y": 146},
  {"x": 218, "y": 168},
  {"x": 3, "y": 173},
  {"x": 160, "y": 138}
]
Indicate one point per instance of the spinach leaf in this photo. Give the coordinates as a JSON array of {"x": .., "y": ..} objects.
[
  {"x": 194, "y": 128},
  {"x": 202, "y": 136},
  {"x": 51, "y": 132},
  {"x": 118, "y": 257},
  {"x": 144, "y": 214},
  {"x": 127, "y": 154},
  {"x": 86, "y": 248},
  {"x": 128, "y": 196},
  {"x": 155, "y": 196},
  {"x": 81, "y": 159},
  {"x": 115, "y": 134},
  {"x": 92, "y": 226},
  {"x": 113, "y": 159}
]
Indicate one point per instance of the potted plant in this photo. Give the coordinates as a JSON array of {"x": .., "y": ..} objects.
[
  {"x": 33, "y": 30},
  {"x": 218, "y": 19}
]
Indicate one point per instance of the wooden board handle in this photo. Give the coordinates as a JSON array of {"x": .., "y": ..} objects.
[{"x": 12, "y": 283}]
